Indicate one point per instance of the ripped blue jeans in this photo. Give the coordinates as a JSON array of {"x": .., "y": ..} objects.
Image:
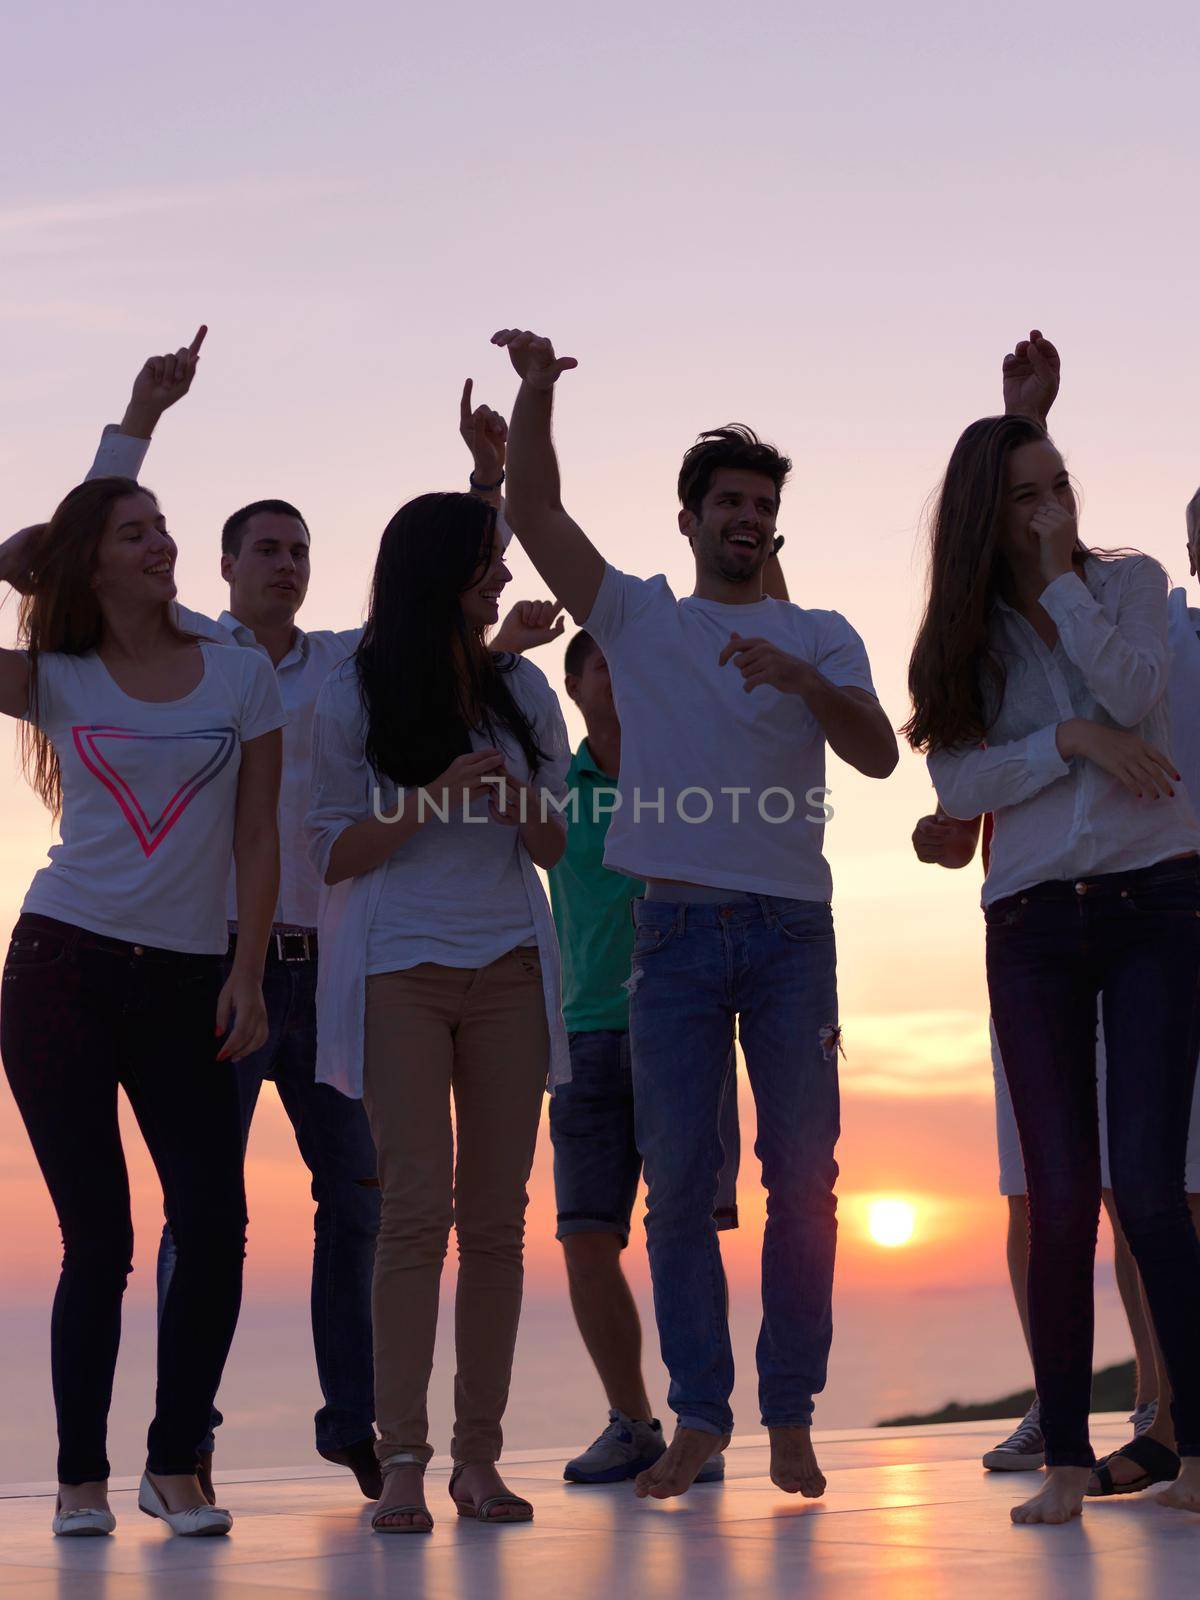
[{"x": 769, "y": 963}]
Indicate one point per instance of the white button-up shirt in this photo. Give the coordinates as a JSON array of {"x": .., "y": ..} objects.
[
  {"x": 300, "y": 674},
  {"x": 1059, "y": 820}
]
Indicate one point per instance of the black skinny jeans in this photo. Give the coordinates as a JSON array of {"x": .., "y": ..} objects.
[
  {"x": 82, "y": 1014},
  {"x": 1133, "y": 938}
]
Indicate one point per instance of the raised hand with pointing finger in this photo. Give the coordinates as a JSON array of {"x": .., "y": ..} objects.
[
  {"x": 485, "y": 434},
  {"x": 761, "y": 662},
  {"x": 162, "y": 381}
]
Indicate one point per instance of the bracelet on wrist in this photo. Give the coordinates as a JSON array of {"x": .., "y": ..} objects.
[{"x": 485, "y": 488}]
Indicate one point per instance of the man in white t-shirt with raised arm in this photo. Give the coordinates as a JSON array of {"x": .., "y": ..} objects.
[
  {"x": 265, "y": 552},
  {"x": 727, "y": 700}
]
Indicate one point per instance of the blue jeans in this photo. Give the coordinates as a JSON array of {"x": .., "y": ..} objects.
[
  {"x": 335, "y": 1142},
  {"x": 596, "y": 1160},
  {"x": 771, "y": 964},
  {"x": 1133, "y": 938}
]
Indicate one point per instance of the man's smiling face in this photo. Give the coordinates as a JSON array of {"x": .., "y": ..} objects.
[{"x": 734, "y": 533}]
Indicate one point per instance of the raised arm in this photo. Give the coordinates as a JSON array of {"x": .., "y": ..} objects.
[
  {"x": 1126, "y": 663},
  {"x": 485, "y": 434},
  {"x": 774, "y": 583},
  {"x": 1030, "y": 375},
  {"x": 566, "y": 559},
  {"x": 161, "y": 382}
]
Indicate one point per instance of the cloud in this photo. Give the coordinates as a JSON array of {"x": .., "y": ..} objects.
[
  {"x": 119, "y": 205},
  {"x": 917, "y": 1053},
  {"x": 77, "y": 314}
]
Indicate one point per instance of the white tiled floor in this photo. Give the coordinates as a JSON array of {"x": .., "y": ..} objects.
[{"x": 908, "y": 1516}]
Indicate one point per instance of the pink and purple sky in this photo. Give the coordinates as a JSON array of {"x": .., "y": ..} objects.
[{"x": 830, "y": 226}]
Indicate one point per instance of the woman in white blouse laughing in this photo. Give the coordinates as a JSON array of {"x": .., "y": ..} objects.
[
  {"x": 1038, "y": 681},
  {"x": 433, "y": 763}
]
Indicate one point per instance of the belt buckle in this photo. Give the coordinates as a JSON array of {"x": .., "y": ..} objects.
[{"x": 300, "y": 949}]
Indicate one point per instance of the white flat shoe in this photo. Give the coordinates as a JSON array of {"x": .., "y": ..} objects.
[
  {"x": 195, "y": 1522},
  {"x": 85, "y": 1522}
]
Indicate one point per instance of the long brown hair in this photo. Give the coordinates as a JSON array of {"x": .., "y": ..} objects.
[
  {"x": 60, "y": 611},
  {"x": 955, "y": 678}
]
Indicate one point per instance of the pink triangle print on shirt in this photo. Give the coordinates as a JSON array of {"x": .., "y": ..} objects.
[{"x": 153, "y": 777}]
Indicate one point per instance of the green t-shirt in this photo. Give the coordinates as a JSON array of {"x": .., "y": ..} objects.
[{"x": 591, "y": 906}]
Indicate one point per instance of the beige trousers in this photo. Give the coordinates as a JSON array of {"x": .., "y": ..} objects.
[{"x": 478, "y": 1034}]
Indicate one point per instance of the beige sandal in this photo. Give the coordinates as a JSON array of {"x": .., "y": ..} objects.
[
  {"x": 483, "y": 1511},
  {"x": 402, "y": 1458}
]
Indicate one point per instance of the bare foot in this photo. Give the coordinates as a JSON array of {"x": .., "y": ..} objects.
[
  {"x": 1184, "y": 1493},
  {"x": 477, "y": 1481},
  {"x": 675, "y": 1470},
  {"x": 403, "y": 1486},
  {"x": 83, "y": 1496},
  {"x": 178, "y": 1491},
  {"x": 1059, "y": 1499},
  {"x": 794, "y": 1466}
]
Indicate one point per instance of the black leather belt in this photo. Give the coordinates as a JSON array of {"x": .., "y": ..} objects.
[{"x": 286, "y": 946}]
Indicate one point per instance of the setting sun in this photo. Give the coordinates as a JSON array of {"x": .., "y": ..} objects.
[{"x": 890, "y": 1222}]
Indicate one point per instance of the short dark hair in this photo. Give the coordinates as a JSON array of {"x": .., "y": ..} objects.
[
  {"x": 235, "y": 526},
  {"x": 579, "y": 649},
  {"x": 735, "y": 446}
]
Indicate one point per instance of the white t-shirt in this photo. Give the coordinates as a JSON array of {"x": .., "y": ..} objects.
[
  {"x": 149, "y": 797},
  {"x": 690, "y": 734},
  {"x": 345, "y": 791},
  {"x": 455, "y": 893}
]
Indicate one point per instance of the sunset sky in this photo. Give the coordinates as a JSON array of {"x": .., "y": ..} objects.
[{"x": 830, "y": 226}]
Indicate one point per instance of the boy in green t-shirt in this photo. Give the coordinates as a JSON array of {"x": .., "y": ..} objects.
[{"x": 596, "y": 1160}]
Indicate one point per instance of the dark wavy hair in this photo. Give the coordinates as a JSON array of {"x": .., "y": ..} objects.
[
  {"x": 59, "y": 609},
  {"x": 425, "y": 675},
  {"x": 734, "y": 445},
  {"x": 955, "y": 678}
]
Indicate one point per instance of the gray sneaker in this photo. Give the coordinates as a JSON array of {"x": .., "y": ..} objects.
[
  {"x": 1144, "y": 1417},
  {"x": 1024, "y": 1450},
  {"x": 626, "y": 1448}
]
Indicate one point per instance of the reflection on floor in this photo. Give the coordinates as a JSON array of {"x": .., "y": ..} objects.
[{"x": 908, "y": 1516}]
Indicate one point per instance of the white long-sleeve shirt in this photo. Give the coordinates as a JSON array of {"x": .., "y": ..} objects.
[{"x": 1059, "y": 820}]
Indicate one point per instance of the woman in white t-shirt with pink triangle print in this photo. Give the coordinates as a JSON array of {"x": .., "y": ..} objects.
[{"x": 159, "y": 755}]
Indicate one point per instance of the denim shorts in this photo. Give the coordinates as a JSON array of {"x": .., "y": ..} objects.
[{"x": 596, "y": 1161}]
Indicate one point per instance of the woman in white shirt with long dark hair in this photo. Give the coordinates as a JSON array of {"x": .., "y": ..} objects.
[
  {"x": 159, "y": 755},
  {"x": 1038, "y": 680},
  {"x": 439, "y": 973}
]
